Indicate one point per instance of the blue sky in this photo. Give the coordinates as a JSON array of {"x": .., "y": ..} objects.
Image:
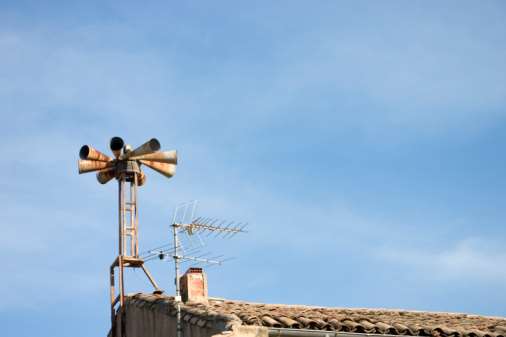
[{"x": 363, "y": 142}]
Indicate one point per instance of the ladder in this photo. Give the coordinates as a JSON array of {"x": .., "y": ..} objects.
[{"x": 128, "y": 249}]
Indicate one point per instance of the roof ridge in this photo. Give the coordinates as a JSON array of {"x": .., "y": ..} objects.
[{"x": 416, "y": 311}]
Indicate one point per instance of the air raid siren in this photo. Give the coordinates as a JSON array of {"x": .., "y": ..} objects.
[
  {"x": 127, "y": 161},
  {"x": 126, "y": 168}
]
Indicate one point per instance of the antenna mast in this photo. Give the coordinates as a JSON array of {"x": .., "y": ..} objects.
[{"x": 183, "y": 222}]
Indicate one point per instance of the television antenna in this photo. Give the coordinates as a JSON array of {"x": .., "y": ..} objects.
[
  {"x": 126, "y": 168},
  {"x": 186, "y": 226}
]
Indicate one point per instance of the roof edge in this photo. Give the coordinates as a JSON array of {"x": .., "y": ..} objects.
[{"x": 287, "y": 332}]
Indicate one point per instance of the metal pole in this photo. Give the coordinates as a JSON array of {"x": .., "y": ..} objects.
[
  {"x": 179, "y": 329},
  {"x": 132, "y": 208},
  {"x": 120, "y": 216},
  {"x": 111, "y": 289},
  {"x": 121, "y": 239},
  {"x": 136, "y": 218}
]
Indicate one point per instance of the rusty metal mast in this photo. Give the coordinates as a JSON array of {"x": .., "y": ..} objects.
[{"x": 126, "y": 168}]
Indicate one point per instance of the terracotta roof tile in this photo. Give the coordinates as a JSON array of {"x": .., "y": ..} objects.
[{"x": 378, "y": 321}]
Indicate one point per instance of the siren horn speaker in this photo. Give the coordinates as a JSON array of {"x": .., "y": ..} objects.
[
  {"x": 89, "y": 153},
  {"x": 92, "y": 165},
  {"x": 141, "y": 178},
  {"x": 104, "y": 177},
  {"x": 167, "y": 170},
  {"x": 169, "y": 157},
  {"x": 150, "y": 146},
  {"x": 116, "y": 144}
]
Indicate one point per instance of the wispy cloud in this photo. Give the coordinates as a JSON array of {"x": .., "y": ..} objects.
[
  {"x": 475, "y": 259},
  {"x": 405, "y": 80}
]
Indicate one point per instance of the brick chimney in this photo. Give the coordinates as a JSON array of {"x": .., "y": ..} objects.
[{"x": 194, "y": 286}]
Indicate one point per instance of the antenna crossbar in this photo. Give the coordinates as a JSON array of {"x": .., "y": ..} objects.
[
  {"x": 198, "y": 259},
  {"x": 208, "y": 225}
]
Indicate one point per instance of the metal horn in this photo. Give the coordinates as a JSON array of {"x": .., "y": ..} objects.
[
  {"x": 104, "y": 177},
  {"x": 92, "y": 165},
  {"x": 169, "y": 157},
  {"x": 116, "y": 144},
  {"x": 88, "y": 153},
  {"x": 150, "y": 146},
  {"x": 141, "y": 178},
  {"x": 167, "y": 170}
]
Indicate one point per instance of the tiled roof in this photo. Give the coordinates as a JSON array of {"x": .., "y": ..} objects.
[{"x": 373, "y": 321}]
